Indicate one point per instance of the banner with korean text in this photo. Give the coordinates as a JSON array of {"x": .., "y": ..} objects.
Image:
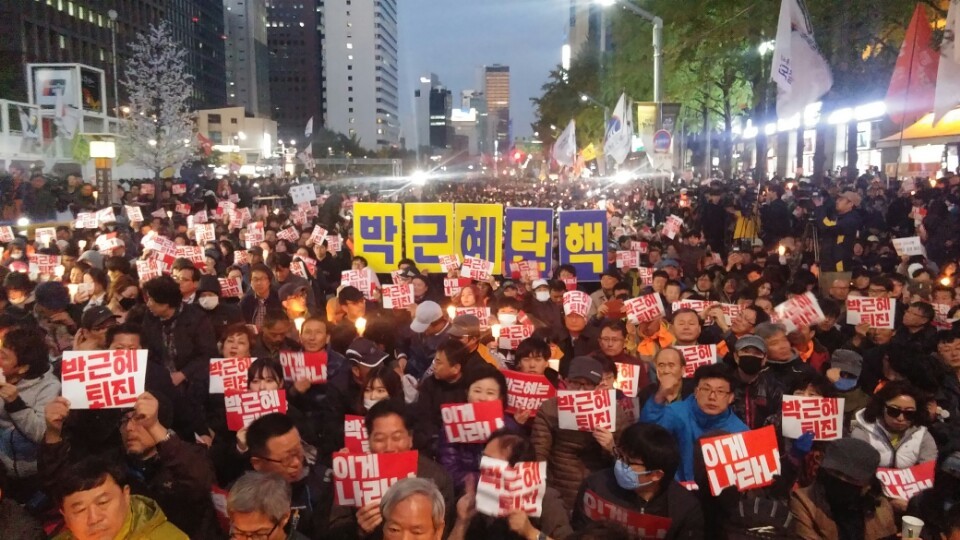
[
  {"x": 818, "y": 415},
  {"x": 583, "y": 242},
  {"x": 503, "y": 488},
  {"x": 299, "y": 365},
  {"x": 639, "y": 525},
  {"x": 245, "y": 407},
  {"x": 355, "y": 438},
  {"x": 360, "y": 479},
  {"x": 479, "y": 232},
  {"x": 428, "y": 233},
  {"x": 103, "y": 379},
  {"x": 528, "y": 236},
  {"x": 905, "y": 483},
  {"x": 471, "y": 422},
  {"x": 229, "y": 374},
  {"x": 587, "y": 410},
  {"x": 747, "y": 460},
  {"x": 376, "y": 234},
  {"x": 527, "y": 391}
]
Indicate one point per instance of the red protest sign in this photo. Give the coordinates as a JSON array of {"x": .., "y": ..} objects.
[
  {"x": 299, "y": 365},
  {"x": 245, "y": 407},
  {"x": 628, "y": 379},
  {"x": 644, "y": 308},
  {"x": 905, "y": 483},
  {"x": 231, "y": 287},
  {"x": 511, "y": 336},
  {"x": 193, "y": 254},
  {"x": 452, "y": 287},
  {"x": 576, "y": 303},
  {"x": 876, "y": 312},
  {"x": 799, "y": 311},
  {"x": 476, "y": 269},
  {"x": 178, "y": 189},
  {"x": 355, "y": 434},
  {"x": 747, "y": 460},
  {"x": 46, "y": 264},
  {"x": 333, "y": 243},
  {"x": 86, "y": 220},
  {"x": 148, "y": 269},
  {"x": 640, "y": 247},
  {"x": 6, "y": 234},
  {"x": 639, "y": 525},
  {"x": 503, "y": 489},
  {"x": 630, "y": 407},
  {"x": 696, "y": 356},
  {"x": 587, "y": 410},
  {"x": 471, "y": 422},
  {"x": 103, "y": 379},
  {"x": 255, "y": 233},
  {"x": 819, "y": 415},
  {"x": 628, "y": 259},
  {"x": 229, "y": 374},
  {"x": 182, "y": 209},
  {"x": 397, "y": 296},
  {"x": 527, "y": 391},
  {"x": 570, "y": 283},
  {"x": 360, "y": 479},
  {"x": 697, "y": 305}
]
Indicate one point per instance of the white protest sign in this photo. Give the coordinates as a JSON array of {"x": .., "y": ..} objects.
[
  {"x": 103, "y": 379},
  {"x": 303, "y": 193},
  {"x": 503, "y": 489}
]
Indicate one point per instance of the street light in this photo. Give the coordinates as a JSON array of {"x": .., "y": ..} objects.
[
  {"x": 657, "y": 40},
  {"x": 113, "y": 35}
]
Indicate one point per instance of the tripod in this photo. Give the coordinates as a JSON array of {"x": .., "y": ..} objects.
[{"x": 810, "y": 234}]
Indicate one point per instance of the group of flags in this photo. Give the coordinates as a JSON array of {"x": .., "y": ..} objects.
[{"x": 617, "y": 140}]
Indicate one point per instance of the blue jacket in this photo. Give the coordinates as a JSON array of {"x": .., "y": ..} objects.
[{"x": 688, "y": 424}]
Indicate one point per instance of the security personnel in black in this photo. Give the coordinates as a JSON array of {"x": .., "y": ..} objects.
[{"x": 839, "y": 233}]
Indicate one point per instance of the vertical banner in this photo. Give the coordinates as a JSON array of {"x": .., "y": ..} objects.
[
  {"x": 428, "y": 234},
  {"x": 479, "y": 232},
  {"x": 376, "y": 234},
  {"x": 583, "y": 242},
  {"x": 528, "y": 233}
]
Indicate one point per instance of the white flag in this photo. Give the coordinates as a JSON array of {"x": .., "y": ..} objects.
[
  {"x": 948, "y": 74},
  {"x": 801, "y": 73},
  {"x": 308, "y": 131},
  {"x": 29, "y": 123},
  {"x": 619, "y": 136},
  {"x": 565, "y": 149},
  {"x": 64, "y": 118}
]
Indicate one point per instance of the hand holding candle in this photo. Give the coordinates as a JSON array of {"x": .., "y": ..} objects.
[{"x": 361, "y": 325}]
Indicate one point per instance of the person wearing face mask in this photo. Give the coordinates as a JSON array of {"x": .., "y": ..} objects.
[
  {"x": 759, "y": 394},
  {"x": 642, "y": 481},
  {"x": 844, "y": 372},
  {"x": 845, "y": 502},
  {"x": 16, "y": 251},
  {"x": 219, "y": 314},
  {"x": 19, "y": 294},
  {"x": 540, "y": 307}
]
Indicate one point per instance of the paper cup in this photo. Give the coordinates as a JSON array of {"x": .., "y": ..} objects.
[
  {"x": 554, "y": 364},
  {"x": 911, "y": 527}
]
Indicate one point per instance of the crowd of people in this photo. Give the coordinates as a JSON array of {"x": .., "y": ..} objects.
[{"x": 149, "y": 470}]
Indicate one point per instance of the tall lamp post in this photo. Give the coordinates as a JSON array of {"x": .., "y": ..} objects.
[
  {"x": 657, "y": 41},
  {"x": 113, "y": 35}
]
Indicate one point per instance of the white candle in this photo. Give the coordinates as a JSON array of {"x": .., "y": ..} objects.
[{"x": 361, "y": 325}]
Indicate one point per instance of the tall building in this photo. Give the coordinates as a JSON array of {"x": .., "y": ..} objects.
[
  {"x": 295, "y": 41},
  {"x": 79, "y": 31},
  {"x": 421, "y": 106},
  {"x": 496, "y": 89},
  {"x": 360, "y": 57},
  {"x": 441, "y": 129},
  {"x": 475, "y": 102},
  {"x": 589, "y": 28},
  {"x": 247, "y": 54}
]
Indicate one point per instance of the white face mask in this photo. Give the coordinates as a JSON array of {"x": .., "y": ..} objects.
[
  {"x": 209, "y": 302},
  {"x": 369, "y": 403},
  {"x": 507, "y": 318},
  {"x": 542, "y": 296}
]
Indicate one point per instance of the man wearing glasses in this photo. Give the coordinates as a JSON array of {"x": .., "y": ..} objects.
[
  {"x": 708, "y": 409},
  {"x": 259, "y": 508}
]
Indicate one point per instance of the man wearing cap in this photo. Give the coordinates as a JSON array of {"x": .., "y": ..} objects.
[
  {"x": 671, "y": 267},
  {"x": 843, "y": 497},
  {"x": 608, "y": 280},
  {"x": 844, "y": 372},
  {"x": 427, "y": 331},
  {"x": 281, "y": 269},
  {"x": 759, "y": 395},
  {"x": 94, "y": 325},
  {"x": 573, "y": 455},
  {"x": 466, "y": 329},
  {"x": 839, "y": 233},
  {"x": 52, "y": 303},
  {"x": 351, "y": 305},
  {"x": 293, "y": 298},
  {"x": 539, "y": 306}
]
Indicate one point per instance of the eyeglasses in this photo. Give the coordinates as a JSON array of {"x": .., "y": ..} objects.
[
  {"x": 579, "y": 385},
  {"x": 286, "y": 461},
  {"x": 897, "y": 412},
  {"x": 713, "y": 392},
  {"x": 240, "y": 535}
]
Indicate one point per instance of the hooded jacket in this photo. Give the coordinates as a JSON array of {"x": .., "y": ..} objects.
[
  {"x": 22, "y": 424},
  {"x": 145, "y": 521},
  {"x": 814, "y": 521},
  {"x": 687, "y": 422},
  {"x": 916, "y": 444}
]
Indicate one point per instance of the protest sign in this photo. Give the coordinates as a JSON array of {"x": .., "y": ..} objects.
[
  {"x": 254, "y": 234},
  {"x": 628, "y": 259},
  {"x": 178, "y": 189},
  {"x": 452, "y": 287},
  {"x": 640, "y": 247},
  {"x": 819, "y": 415},
  {"x": 356, "y": 278},
  {"x": 799, "y": 311},
  {"x": 317, "y": 236},
  {"x": 697, "y": 305},
  {"x": 511, "y": 335},
  {"x": 397, "y": 296},
  {"x": 628, "y": 379},
  {"x": 360, "y": 479},
  {"x": 106, "y": 215},
  {"x": 646, "y": 276},
  {"x": 299, "y": 365},
  {"x": 229, "y": 374},
  {"x": 527, "y": 391},
  {"x": 303, "y": 193},
  {"x": 876, "y": 312},
  {"x": 630, "y": 407},
  {"x": 696, "y": 356},
  {"x": 576, "y": 303},
  {"x": 481, "y": 313},
  {"x": 527, "y": 271},
  {"x": 639, "y": 525},
  {"x": 290, "y": 234},
  {"x": 333, "y": 243},
  {"x": 182, "y": 209},
  {"x": 672, "y": 226},
  {"x": 909, "y": 246},
  {"x": 231, "y": 288},
  {"x": 205, "y": 233},
  {"x": 941, "y": 318},
  {"x": 471, "y": 422},
  {"x": 193, "y": 254},
  {"x": 644, "y": 308},
  {"x": 200, "y": 217},
  {"x": 46, "y": 264},
  {"x": 570, "y": 283},
  {"x": 355, "y": 438},
  {"x": 85, "y": 220},
  {"x": 44, "y": 235},
  {"x": 587, "y": 410},
  {"x": 303, "y": 266},
  {"x": 905, "y": 483},
  {"x": 730, "y": 312},
  {"x": 449, "y": 263},
  {"x": 476, "y": 269},
  {"x": 747, "y": 460},
  {"x": 134, "y": 214},
  {"x": 103, "y": 379},
  {"x": 245, "y": 407},
  {"x": 6, "y": 234},
  {"x": 503, "y": 488},
  {"x": 148, "y": 269}
]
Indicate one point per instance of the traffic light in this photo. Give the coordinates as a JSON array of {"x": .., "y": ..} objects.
[{"x": 517, "y": 156}]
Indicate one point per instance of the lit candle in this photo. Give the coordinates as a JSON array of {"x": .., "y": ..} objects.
[
  {"x": 82, "y": 244},
  {"x": 782, "y": 250},
  {"x": 495, "y": 330},
  {"x": 169, "y": 214},
  {"x": 361, "y": 325},
  {"x": 298, "y": 322},
  {"x": 58, "y": 271},
  {"x": 945, "y": 281},
  {"x": 451, "y": 312}
]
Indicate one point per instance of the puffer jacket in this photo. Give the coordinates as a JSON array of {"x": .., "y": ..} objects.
[
  {"x": 916, "y": 444},
  {"x": 22, "y": 425},
  {"x": 146, "y": 521},
  {"x": 571, "y": 456},
  {"x": 813, "y": 520}
]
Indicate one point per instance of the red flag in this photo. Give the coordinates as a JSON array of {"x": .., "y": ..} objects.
[
  {"x": 205, "y": 144},
  {"x": 914, "y": 81}
]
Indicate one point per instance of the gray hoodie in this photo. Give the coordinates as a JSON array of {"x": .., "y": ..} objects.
[{"x": 22, "y": 424}]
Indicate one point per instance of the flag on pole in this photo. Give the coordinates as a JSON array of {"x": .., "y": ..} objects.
[
  {"x": 947, "y": 94},
  {"x": 619, "y": 136},
  {"x": 206, "y": 145},
  {"x": 589, "y": 153},
  {"x": 308, "y": 131},
  {"x": 29, "y": 123},
  {"x": 799, "y": 70},
  {"x": 914, "y": 81},
  {"x": 565, "y": 149},
  {"x": 64, "y": 118}
]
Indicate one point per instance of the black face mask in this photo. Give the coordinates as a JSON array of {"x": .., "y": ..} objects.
[
  {"x": 751, "y": 365},
  {"x": 840, "y": 494},
  {"x": 127, "y": 303}
]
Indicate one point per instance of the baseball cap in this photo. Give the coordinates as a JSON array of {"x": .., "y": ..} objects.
[
  {"x": 851, "y": 196},
  {"x": 586, "y": 367},
  {"x": 509, "y": 284},
  {"x": 667, "y": 262},
  {"x": 365, "y": 352},
  {"x": 290, "y": 289},
  {"x": 427, "y": 313},
  {"x": 95, "y": 317},
  {"x": 209, "y": 284},
  {"x": 854, "y": 458},
  {"x": 539, "y": 283},
  {"x": 748, "y": 341},
  {"x": 465, "y": 326},
  {"x": 409, "y": 273},
  {"x": 52, "y": 295},
  {"x": 847, "y": 361}
]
